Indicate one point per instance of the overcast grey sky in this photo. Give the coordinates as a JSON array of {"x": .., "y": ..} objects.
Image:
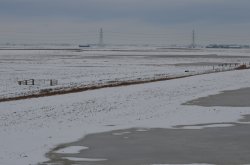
[{"x": 125, "y": 21}]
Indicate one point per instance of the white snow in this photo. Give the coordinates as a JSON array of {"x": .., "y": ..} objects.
[
  {"x": 74, "y": 69},
  {"x": 185, "y": 164},
  {"x": 207, "y": 126},
  {"x": 142, "y": 130},
  {"x": 121, "y": 133},
  {"x": 30, "y": 128},
  {"x": 71, "y": 150},
  {"x": 84, "y": 159}
]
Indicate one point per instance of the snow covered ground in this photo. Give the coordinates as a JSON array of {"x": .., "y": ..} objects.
[
  {"x": 73, "y": 68},
  {"x": 30, "y": 128}
]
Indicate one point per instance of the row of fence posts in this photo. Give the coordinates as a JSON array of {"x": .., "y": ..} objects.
[
  {"x": 32, "y": 82},
  {"x": 235, "y": 65}
]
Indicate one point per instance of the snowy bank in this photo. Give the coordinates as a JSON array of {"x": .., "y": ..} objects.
[{"x": 30, "y": 128}]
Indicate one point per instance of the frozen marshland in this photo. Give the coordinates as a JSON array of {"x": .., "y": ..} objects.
[{"x": 29, "y": 128}]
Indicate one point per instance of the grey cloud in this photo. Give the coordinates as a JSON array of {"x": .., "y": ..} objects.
[{"x": 156, "y": 11}]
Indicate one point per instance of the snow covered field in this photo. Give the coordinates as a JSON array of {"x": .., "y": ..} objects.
[
  {"x": 73, "y": 68},
  {"x": 30, "y": 128}
]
